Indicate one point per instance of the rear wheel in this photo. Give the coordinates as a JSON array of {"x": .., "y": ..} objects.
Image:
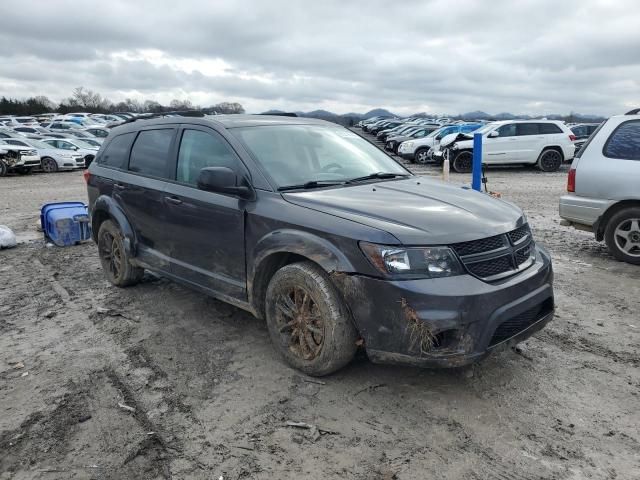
[
  {"x": 3, "y": 169},
  {"x": 550, "y": 161},
  {"x": 422, "y": 156},
  {"x": 463, "y": 162},
  {"x": 622, "y": 235},
  {"x": 49, "y": 165},
  {"x": 308, "y": 322},
  {"x": 114, "y": 258}
]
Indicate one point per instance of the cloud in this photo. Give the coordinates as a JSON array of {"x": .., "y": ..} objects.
[{"x": 529, "y": 56}]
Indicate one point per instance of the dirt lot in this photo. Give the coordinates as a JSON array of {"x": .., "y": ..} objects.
[{"x": 209, "y": 397}]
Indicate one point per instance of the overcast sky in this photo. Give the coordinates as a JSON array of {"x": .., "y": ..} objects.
[{"x": 537, "y": 56}]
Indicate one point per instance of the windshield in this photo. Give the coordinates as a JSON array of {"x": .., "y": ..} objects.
[
  {"x": 297, "y": 154},
  {"x": 488, "y": 127}
]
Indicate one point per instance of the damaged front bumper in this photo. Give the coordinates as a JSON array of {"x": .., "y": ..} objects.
[{"x": 448, "y": 322}]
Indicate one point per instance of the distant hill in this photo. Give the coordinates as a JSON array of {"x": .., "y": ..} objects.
[
  {"x": 477, "y": 115},
  {"x": 378, "y": 112}
]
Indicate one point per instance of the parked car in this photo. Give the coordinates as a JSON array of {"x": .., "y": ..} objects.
[
  {"x": 583, "y": 131},
  {"x": 17, "y": 159},
  {"x": 87, "y": 150},
  {"x": 603, "y": 187},
  {"x": 398, "y": 129},
  {"x": 51, "y": 159},
  {"x": 99, "y": 132},
  {"x": 86, "y": 137},
  {"x": 394, "y": 142},
  {"x": 418, "y": 150},
  {"x": 30, "y": 131},
  {"x": 544, "y": 143},
  {"x": 308, "y": 225},
  {"x": 384, "y": 125}
]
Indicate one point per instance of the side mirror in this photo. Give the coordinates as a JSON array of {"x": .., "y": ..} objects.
[
  {"x": 494, "y": 134},
  {"x": 222, "y": 180},
  {"x": 76, "y": 148}
]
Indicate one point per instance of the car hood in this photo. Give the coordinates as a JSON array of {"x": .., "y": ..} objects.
[
  {"x": 463, "y": 143},
  {"x": 399, "y": 138},
  {"x": 416, "y": 210}
]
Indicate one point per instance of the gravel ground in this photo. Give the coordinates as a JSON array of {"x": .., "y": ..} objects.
[{"x": 156, "y": 381}]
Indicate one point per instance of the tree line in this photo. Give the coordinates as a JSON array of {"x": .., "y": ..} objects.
[{"x": 85, "y": 100}]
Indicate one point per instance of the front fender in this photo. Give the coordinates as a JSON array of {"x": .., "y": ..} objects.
[
  {"x": 107, "y": 206},
  {"x": 313, "y": 247}
]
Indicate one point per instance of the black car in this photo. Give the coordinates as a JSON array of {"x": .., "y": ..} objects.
[
  {"x": 582, "y": 132},
  {"x": 308, "y": 225}
]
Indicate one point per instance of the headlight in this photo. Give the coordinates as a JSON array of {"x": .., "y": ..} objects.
[
  {"x": 408, "y": 144},
  {"x": 454, "y": 146},
  {"x": 66, "y": 155},
  {"x": 412, "y": 262}
]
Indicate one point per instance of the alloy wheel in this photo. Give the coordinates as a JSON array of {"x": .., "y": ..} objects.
[
  {"x": 300, "y": 323},
  {"x": 627, "y": 236}
]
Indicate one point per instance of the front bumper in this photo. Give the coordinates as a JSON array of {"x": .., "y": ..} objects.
[
  {"x": 407, "y": 155},
  {"x": 448, "y": 322}
]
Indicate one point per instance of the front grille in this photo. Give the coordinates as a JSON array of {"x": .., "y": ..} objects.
[
  {"x": 519, "y": 233},
  {"x": 517, "y": 324},
  {"x": 497, "y": 257},
  {"x": 479, "y": 246}
]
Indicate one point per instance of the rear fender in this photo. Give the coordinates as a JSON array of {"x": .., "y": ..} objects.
[{"x": 106, "y": 206}]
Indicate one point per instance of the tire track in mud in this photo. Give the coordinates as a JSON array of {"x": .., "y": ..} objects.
[{"x": 582, "y": 344}]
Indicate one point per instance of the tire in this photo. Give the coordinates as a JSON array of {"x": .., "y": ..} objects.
[
  {"x": 114, "y": 258},
  {"x": 622, "y": 235},
  {"x": 3, "y": 169},
  {"x": 422, "y": 156},
  {"x": 463, "y": 162},
  {"x": 300, "y": 296},
  {"x": 550, "y": 161},
  {"x": 49, "y": 165}
]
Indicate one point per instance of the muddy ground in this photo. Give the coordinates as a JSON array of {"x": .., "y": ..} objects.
[{"x": 156, "y": 381}]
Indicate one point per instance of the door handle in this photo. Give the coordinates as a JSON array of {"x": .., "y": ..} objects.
[
  {"x": 174, "y": 200},
  {"x": 118, "y": 186}
]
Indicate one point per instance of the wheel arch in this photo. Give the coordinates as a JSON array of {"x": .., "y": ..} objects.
[
  {"x": 601, "y": 223},
  {"x": 105, "y": 208},
  {"x": 557, "y": 148},
  {"x": 284, "y": 247}
]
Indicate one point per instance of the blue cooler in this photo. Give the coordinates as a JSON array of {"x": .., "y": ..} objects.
[{"x": 65, "y": 223}]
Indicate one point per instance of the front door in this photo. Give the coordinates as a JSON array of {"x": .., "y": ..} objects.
[
  {"x": 207, "y": 229},
  {"x": 500, "y": 149}
]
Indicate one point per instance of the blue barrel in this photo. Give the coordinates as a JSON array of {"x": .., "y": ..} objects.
[{"x": 65, "y": 223}]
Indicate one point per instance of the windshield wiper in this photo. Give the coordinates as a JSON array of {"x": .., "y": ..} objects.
[
  {"x": 377, "y": 175},
  {"x": 311, "y": 184}
]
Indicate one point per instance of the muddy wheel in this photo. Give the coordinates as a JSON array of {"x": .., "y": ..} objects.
[
  {"x": 622, "y": 235},
  {"x": 114, "y": 258},
  {"x": 550, "y": 161},
  {"x": 3, "y": 169},
  {"x": 308, "y": 321},
  {"x": 422, "y": 156},
  {"x": 49, "y": 165},
  {"x": 463, "y": 162}
]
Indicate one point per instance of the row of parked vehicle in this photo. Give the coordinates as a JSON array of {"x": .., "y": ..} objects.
[
  {"x": 543, "y": 143},
  {"x": 52, "y": 142}
]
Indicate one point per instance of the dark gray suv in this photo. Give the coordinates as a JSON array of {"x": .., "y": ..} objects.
[{"x": 309, "y": 226}]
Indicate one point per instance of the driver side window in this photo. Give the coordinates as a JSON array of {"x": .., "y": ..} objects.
[{"x": 199, "y": 150}]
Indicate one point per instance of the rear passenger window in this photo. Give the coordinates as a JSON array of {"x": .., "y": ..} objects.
[
  {"x": 624, "y": 142},
  {"x": 200, "y": 149},
  {"x": 523, "y": 129},
  {"x": 548, "y": 128},
  {"x": 150, "y": 152},
  {"x": 116, "y": 152}
]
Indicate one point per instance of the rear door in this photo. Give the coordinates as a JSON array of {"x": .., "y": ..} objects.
[
  {"x": 207, "y": 228},
  {"x": 141, "y": 192}
]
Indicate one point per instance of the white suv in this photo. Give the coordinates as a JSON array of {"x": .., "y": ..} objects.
[
  {"x": 545, "y": 143},
  {"x": 604, "y": 187}
]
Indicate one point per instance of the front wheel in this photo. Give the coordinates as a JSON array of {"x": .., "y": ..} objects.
[
  {"x": 3, "y": 169},
  {"x": 463, "y": 162},
  {"x": 114, "y": 258},
  {"x": 550, "y": 161},
  {"x": 308, "y": 322},
  {"x": 422, "y": 156},
  {"x": 49, "y": 165},
  {"x": 622, "y": 235}
]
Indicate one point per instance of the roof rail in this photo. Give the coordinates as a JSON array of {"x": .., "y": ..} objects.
[
  {"x": 635, "y": 111},
  {"x": 281, "y": 114},
  {"x": 180, "y": 113}
]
